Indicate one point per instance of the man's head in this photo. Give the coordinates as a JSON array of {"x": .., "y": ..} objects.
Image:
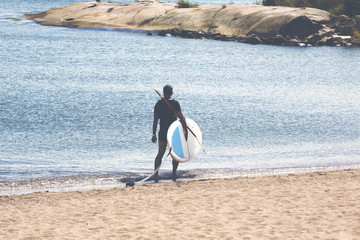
[{"x": 168, "y": 91}]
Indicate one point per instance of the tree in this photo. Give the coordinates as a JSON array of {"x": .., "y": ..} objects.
[
  {"x": 269, "y": 3},
  {"x": 352, "y": 7}
]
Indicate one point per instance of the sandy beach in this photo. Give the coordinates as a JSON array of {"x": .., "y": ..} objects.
[{"x": 320, "y": 205}]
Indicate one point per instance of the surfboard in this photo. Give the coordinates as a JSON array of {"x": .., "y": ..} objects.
[{"x": 183, "y": 150}]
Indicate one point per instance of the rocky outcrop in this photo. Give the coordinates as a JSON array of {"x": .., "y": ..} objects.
[
  {"x": 246, "y": 23},
  {"x": 345, "y": 25}
]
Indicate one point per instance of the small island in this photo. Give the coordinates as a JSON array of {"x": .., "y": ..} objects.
[{"x": 246, "y": 23}]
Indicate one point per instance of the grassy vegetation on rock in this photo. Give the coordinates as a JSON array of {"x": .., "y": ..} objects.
[{"x": 186, "y": 4}]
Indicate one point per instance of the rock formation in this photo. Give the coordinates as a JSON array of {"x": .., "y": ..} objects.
[{"x": 246, "y": 23}]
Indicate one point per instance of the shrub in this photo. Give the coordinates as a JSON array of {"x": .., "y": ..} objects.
[
  {"x": 352, "y": 7},
  {"x": 269, "y": 3},
  {"x": 347, "y": 7},
  {"x": 356, "y": 34},
  {"x": 186, "y": 4}
]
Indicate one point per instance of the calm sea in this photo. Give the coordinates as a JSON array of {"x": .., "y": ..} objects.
[{"x": 76, "y": 105}]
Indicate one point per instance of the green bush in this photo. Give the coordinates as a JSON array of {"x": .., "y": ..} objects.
[
  {"x": 322, "y": 4},
  {"x": 269, "y": 2},
  {"x": 356, "y": 34},
  {"x": 186, "y": 4},
  {"x": 347, "y": 7},
  {"x": 352, "y": 7}
]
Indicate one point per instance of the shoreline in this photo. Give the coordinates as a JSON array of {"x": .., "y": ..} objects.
[
  {"x": 95, "y": 182},
  {"x": 244, "y": 23},
  {"x": 320, "y": 205}
]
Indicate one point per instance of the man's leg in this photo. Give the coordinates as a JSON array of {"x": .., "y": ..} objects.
[
  {"x": 175, "y": 166},
  {"x": 161, "y": 152}
]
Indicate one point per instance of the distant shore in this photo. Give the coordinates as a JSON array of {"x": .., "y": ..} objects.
[
  {"x": 319, "y": 205},
  {"x": 247, "y": 23}
]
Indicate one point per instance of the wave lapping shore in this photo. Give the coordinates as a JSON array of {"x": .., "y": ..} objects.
[{"x": 246, "y": 23}]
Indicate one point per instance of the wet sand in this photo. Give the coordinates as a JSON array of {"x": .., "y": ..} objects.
[{"x": 320, "y": 205}]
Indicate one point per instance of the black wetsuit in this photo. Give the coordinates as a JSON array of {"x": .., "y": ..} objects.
[{"x": 166, "y": 116}]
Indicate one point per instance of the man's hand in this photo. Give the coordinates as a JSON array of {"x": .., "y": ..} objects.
[
  {"x": 186, "y": 133},
  {"x": 183, "y": 123},
  {"x": 154, "y": 139}
]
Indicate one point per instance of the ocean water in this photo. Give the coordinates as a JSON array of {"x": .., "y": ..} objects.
[{"x": 76, "y": 105}]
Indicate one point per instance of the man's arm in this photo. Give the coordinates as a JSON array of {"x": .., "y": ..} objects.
[
  {"x": 180, "y": 115},
  {"x": 155, "y": 123}
]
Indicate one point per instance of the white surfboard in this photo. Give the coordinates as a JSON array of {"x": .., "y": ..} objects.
[{"x": 183, "y": 150}]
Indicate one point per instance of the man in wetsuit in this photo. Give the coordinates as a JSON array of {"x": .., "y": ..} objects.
[{"x": 167, "y": 116}]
